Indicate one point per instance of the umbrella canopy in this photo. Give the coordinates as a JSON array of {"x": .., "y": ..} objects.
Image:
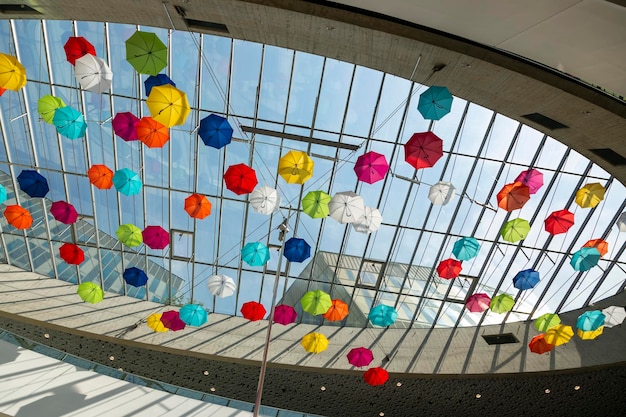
[
  {"x": 539, "y": 345},
  {"x": 621, "y": 222},
  {"x": 77, "y": 47},
  {"x": 215, "y": 131},
  {"x": 600, "y": 244},
  {"x": 155, "y": 237},
  {"x": 154, "y": 80},
  {"x": 590, "y": 195},
  {"x": 559, "y": 221},
  {"x": 316, "y": 302},
  {"x": 240, "y": 179},
  {"x": 64, "y": 212},
  {"x": 146, "y": 53},
  {"x": 502, "y": 303},
  {"x": 265, "y": 200},
  {"x": 314, "y": 342},
  {"x": 253, "y": 311},
  {"x": 376, "y": 376},
  {"x": 615, "y": 316},
  {"x": 47, "y": 105},
  {"x": 338, "y": 311},
  {"x": 515, "y": 230},
  {"x": 591, "y": 334},
  {"x": 531, "y": 178},
  {"x": 33, "y": 183},
  {"x": 526, "y": 279},
  {"x": 478, "y": 302},
  {"x": 465, "y": 248},
  {"x": 18, "y": 216},
  {"x": 449, "y": 268},
  {"x": 100, "y": 176},
  {"x": 423, "y": 150},
  {"x": 12, "y": 73},
  {"x": 315, "y": 204},
  {"x": 559, "y": 334},
  {"x": 90, "y": 292},
  {"x": 441, "y": 193},
  {"x": 2, "y": 90},
  {"x": 284, "y": 314},
  {"x": 369, "y": 222},
  {"x": 513, "y": 196},
  {"x": 585, "y": 258},
  {"x": 296, "y": 167},
  {"x": 371, "y": 167},
  {"x": 590, "y": 320},
  {"x": 69, "y": 122},
  {"x": 93, "y": 74},
  {"x": 135, "y": 276},
  {"x": 194, "y": 315},
  {"x": 382, "y": 315},
  {"x": 127, "y": 182},
  {"x": 168, "y": 105},
  {"x": 154, "y": 322},
  {"x": 125, "y": 126},
  {"x": 221, "y": 285},
  {"x": 360, "y": 357},
  {"x": 171, "y": 320},
  {"x": 71, "y": 254},
  {"x": 435, "y": 102},
  {"x": 547, "y": 321},
  {"x": 198, "y": 206},
  {"x": 130, "y": 235},
  {"x": 3, "y": 194},
  {"x": 152, "y": 133},
  {"x": 255, "y": 254},
  {"x": 346, "y": 207},
  {"x": 297, "y": 250}
]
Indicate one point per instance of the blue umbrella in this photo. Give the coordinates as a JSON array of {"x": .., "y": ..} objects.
[
  {"x": 215, "y": 131},
  {"x": 127, "y": 182},
  {"x": 193, "y": 314},
  {"x": 154, "y": 80},
  {"x": 135, "y": 277},
  {"x": 382, "y": 315},
  {"x": 526, "y": 279},
  {"x": 33, "y": 183},
  {"x": 585, "y": 258},
  {"x": 3, "y": 194},
  {"x": 255, "y": 254},
  {"x": 69, "y": 122},
  {"x": 466, "y": 248},
  {"x": 297, "y": 250},
  {"x": 590, "y": 320},
  {"x": 435, "y": 103}
]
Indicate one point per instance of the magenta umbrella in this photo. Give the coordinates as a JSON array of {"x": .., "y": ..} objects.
[
  {"x": 171, "y": 320},
  {"x": 124, "y": 126},
  {"x": 155, "y": 237},
  {"x": 360, "y": 356},
  {"x": 478, "y": 302},
  {"x": 284, "y": 314},
  {"x": 64, "y": 212},
  {"x": 371, "y": 167},
  {"x": 531, "y": 178}
]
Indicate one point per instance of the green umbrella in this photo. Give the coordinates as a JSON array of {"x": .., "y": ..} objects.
[
  {"x": 47, "y": 105},
  {"x": 515, "y": 230},
  {"x": 130, "y": 235},
  {"x": 90, "y": 292},
  {"x": 547, "y": 321},
  {"x": 502, "y": 303},
  {"x": 146, "y": 53},
  {"x": 316, "y": 302},
  {"x": 315, "y": 204}
]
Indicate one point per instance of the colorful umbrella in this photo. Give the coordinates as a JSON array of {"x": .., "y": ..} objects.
[
  {"x": 600, "y": 244},
  {"x": 125, "y": 126},
  {"x": 221, "y": 285},
  {"x": 33, "y": 183},
  {"x": 127, "y": 182},
  {"x": 154, "y": 322},
  {"x": 297, "y": 250},
  {"x": 12, "y": 73},
  {"x": 441, "y": 193},
  {"x": 423, "y": 150},
  {"x": 382, "y": 315},
  {"x": 3, "y": 194},
  {"x": 240, "y": 179},
  {"x": 90, "y": 292},
  {"x": 621, "y": 222},
  {"x": 193, "y": 315},
  {"x": 539, "y": 345},
  {"x": 590, "y": 320},
  {"x": 154, "y": 80},
  {"x": 135, "y": 277},
  {"x": 265, "y": 200},
  {"x": 69, "y": 122},
  {"x": 130, "y": 235},
  {"x": 513, "y": 196},
  {"x": 152, "y": 133},
  {"x": 369, "y": 222},
  {"x": 547, "y": 321},
  {"x": 155, "y": 237},
  {"x": 559, "y": 221},
  {"x": 296, "y": 167},
  {"x": 93, "y": 74},
  {"x": 101, "y": 176},
  {"x": 18, "y": 216},
  {"x": 585, "y": 258},
  {"x": 64, "y": 212},
  {"x": 337, "y": 311},
  {"x": 465, "y": 248},
  {"x": 478, "y": 302},
  {"x": 198, "y": 206},
  {"x": 146, "y": 53},
  {"x": 360, "y": 357},
  {"x": 316, "y": 302},
  {"x": 284, "y": 314},
  {"x": 2, "y": 90},
  {"x": 315, "y": 204},
  {"x": 435, "y": 102},
  {"x": 559, "y": 334},
  {"x": 531, "y": 178},
  {"x": 371, "y": 167},
  {"x": 71, "y": 254},
  {"x": 314, "y": 342},
  {"x": 47, "y": 105},
  {"x": 215, "y": 131},
  {"x": 168, "y": 105},
  {"x": 253, "y": 311},
  {"x": 346, "y": 207},
  {"x": 449, "y": 268},
  {"x": 255, "y": 254},
  {"x": 376, "y": 376},
  {"x": 526, "y": 279},
  {"x": 590, "y": 195},
  {"x": 76, "y": 47},
  {"x": 591, "y": 334},
  {"x": 171, "y": 320},
  {"x": 515, "y": 230},
  {"x": 615, "y": 316},
  {"x": 502, "y": 303}
]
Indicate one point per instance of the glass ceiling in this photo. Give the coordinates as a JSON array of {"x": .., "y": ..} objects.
[{"x": 265, "y": 87}]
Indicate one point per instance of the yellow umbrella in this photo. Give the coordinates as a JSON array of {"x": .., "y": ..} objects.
[
  {"x": 154, "y": 322},
  {"x": 590, "y": 195},
  {"x": 12, "y": 73},
  {"x": 168, "y": 105},
  {"x": 295, "y": 167},
  {"x": 590, "y": 335},
  {"x": 559, "y": 334},
  {"x": 314, "y": 342}
]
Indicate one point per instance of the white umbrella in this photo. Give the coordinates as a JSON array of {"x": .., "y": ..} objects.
[
  {"x": 441, "y": 193},
  {"x": 93, "y": 74},
  {"x": 221, "y": 285},
  {"x": 346, "y": 207},
  {"x": 369, "y": 222},
  {"x": 265, "y": 200},
  {"x": 615, "y": 315},
  {"x": 621, "y": 222}
]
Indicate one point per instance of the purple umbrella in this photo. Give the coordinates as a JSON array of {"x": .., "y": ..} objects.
[
  {"x": 155, "y": 237},
  {"x": 284, "y": 314},
  {"x": 64, "y": 212},
  {"x": 171, "y": 320},
  {"x": 531, "y": 178},
  {"x": 124, "y": 126},
  {"x": 371, "y": 167},
  {"x": 360, "y": 356}
]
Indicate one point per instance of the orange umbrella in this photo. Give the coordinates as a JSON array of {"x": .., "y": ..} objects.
[
  {"x": 197, "y": 206},
  {"x": 513, "y": 196},
  {"x": 18, "y": 216},
  {"x": 152, "y": 133},
  {"x": 101, "y": 176},
  {"x": 601, "y": 245},
  {"x": 337, "y": 311}
]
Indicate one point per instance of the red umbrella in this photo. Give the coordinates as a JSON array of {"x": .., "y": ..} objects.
[
  {"x": 71, "y": 254},
  {"x": 371, "y": 167},
  {"x": 559, "y": 222},
  {"x": 423, "y": 150},
  {"x": 64, "y": 212},
  {"x": 284, "y": 314},
  {"x": 253, "y": 311},
  {"x": 449, "y": 268},
  {"x": 539, "y": 345},
  {"x": 240, "y": 179},
  {"x": 171, "y": 320},
  {"x": 18, "y": 216},
  {"x": 152, "y": 133},
  {"x": 2, "y": 90},
  {"x": 513, "y": 196},
  {"x": 155, "y": 237},
  {"x": 76, "y": 47},
  {"x": 360, "y": 356},
  {"x": 601, "y": 245},
  {"x": 125, "y": 126},
  {"x": 531, "y": 178},
  {"x": 376, "y": 376},
  {"x": 478, "y": 302}
]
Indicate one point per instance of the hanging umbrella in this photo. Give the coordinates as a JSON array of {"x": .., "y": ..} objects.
[
  {"x": 71, "y": 254},
  {"x": 90, "y": 292},
  {"x": 515, "y": 230},
  {"x": 513, "y": 196},
  {"x": 18, "y": 216},
  {"x": 526, "y": 279},
  {"x": 591, "y": 334},
  {"x": 152, "y": 133},
  {"x": 600, "y": 244},
  {"x": 296, "y": 167},
  {"x": 154, "y": 322},
  {"x": 171, "y": 320},
  {"x": 547, "y": 321},
  {"x": 615, "y": 316},
  {"x": 125, "y": 126},
  {"x": 531, "y": 178},
  {"x": 423, "y": 150},
  {"x": 12, "y": 73},
  {"x": 255, "y": 254},
  {"x": 338, "y": 311},
  {"x": 621, "y": 222},
  {"x": 502, "y": 303},
  {"x": 435, "y": 102},
  {"x": 316, "y": 302},
  {"x": 69, "y": 122},
  {"x": 360, "y": 357},
  {"x": 369, "y": 222},
  {"x": 194, "y": 315},
  {"x": 465, "y": 248},
  {"x": 478, "y": 302},
  {"x": 315, "y": 204},
  {"x": 559, "y": 334},
  {"x": 539, "y": 345},
  {"x": 93, "y": 74},
  {"x": 585, "y": 258},
  {"x": 47, "y": 105},
  {"x": 284, "y": 314},
  {"x": 221, "y": 285},
  {"x": 146, "y": 53},
  {"x": 130, "y": 235},
  {"x": 265, "y": 200},
  {"x": 559, "y": 221},
  {"x": 77, "y": 47},
  {"x": 449, "y": 268},
  {"x": 346, "y": 207},
  {"x": 127, "y": 182},
  {"x": 2, "y": 90},
  {"x": 382, "y": 315},
  {"x": 198, "y": 206},
  {"x": 135, "y": 277},
  {"x": 33, "y": 183},
  {"x": 3, "y": 194},
  {"x": 441, "y": 193},
  {"x": 168, "y": 105},
  {"x": 590, "y": 320},
  {"x": 297, "y": 250},
  {"x": 155, "y": 80},
  {"x": 63, "y": 212},
  {"x": 215, "y": 131},
  {"x": 590, "y": 195},
  {"x": 314, "y": 342},
  {"x": 371, "y": 167},
  {"x": 376, "y": 376},
  {"x": 155, "y": 237},
  {"x": 240, "y": 179},
  {"x": 253, "y": 311},
  {"x": 100, "y": 176}
]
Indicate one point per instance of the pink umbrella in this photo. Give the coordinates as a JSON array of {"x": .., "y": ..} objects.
[
  {"x": 64, "y": 212},
  {"x": 360, "y": 356},
  {"x": 155, "y": 237},
  {"x": 171, "y": 320},
  {"x": 371, "y": 167},
  {"x": 124, "y": 126},
  {"x": 531, "y": 178},
  {"x": 478, "y": 302},
  {"x": 284, "y": 314}
]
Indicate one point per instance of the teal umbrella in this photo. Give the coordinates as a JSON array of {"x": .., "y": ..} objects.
[
  {"x": 127, "y": 182},
  {"x": 69, "y": 122},
  {"x": 585, "y": 258},
  {"x": 382, "y": 315},
  {"x": 255, "y": 254},
  {"x": 435, "y": 103},
  {"x": 590, "y": 320},
  {"x": 3, "y": 194},
  {"x": 193, "y": 314},
  {"x": 466, "y": 248}
]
